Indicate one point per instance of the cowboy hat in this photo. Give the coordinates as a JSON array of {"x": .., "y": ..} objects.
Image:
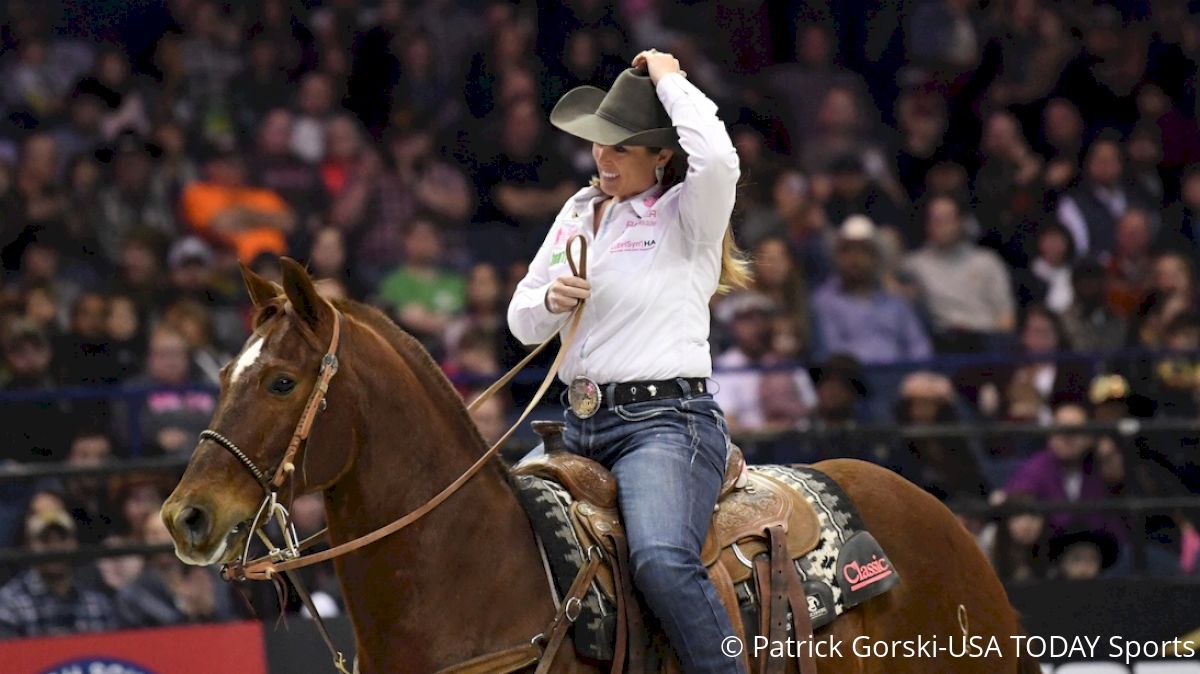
[{"x": 627, "y": 114}]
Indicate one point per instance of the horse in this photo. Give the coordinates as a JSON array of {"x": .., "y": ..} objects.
[{"x": 467, "y": 579}]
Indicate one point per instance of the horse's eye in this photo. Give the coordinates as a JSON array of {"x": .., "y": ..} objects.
[{"x": 282, "y": 385}]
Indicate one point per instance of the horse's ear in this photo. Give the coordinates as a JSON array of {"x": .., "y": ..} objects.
[
  {"x": 302, "y": 293},
  {"x": 261, "y": 290}
]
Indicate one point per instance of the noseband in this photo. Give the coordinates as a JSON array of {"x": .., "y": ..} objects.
[{"x": 270, "y": 506}]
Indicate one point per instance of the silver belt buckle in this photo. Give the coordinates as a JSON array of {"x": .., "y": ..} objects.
[{"x": 584, "y": 396}]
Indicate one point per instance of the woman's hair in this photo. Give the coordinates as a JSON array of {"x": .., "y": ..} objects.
[{"x": 735, "y": 267}]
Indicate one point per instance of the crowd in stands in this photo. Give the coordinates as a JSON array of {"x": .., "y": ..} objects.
[{"x": 940, "y": 198}]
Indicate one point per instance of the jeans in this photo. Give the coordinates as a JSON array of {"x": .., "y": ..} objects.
[{"x": 669, "y": 459}]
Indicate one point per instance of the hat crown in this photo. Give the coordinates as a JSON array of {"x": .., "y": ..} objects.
[{"x": 633, "y": 103}]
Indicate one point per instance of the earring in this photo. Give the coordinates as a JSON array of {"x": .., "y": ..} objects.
[{"x": 658, "y": 172}]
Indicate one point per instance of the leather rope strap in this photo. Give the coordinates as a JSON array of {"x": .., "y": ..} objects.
[
  {"x": 265, "y": 567},
  {"x": 500, "y": 383},
  {"x": 329, "y": 367},
  {"x": 802, "y": 629},
  {"x": 564, "y": 619},
  {"x": 509, "y": 660},
  {"x": 630, "y": 630},
  {"x": 339, "y": 660}
]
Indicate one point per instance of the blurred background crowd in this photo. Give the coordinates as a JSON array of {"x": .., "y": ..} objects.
[{"x": 957, "y": 212}]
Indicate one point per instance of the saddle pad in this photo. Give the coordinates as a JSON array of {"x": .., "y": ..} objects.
[
  {"x": 846, "y": 568},
  {"x": 547, "y": 504}
]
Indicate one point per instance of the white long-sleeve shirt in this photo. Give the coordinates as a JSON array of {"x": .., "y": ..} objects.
[{"x": 653, "y": 264}]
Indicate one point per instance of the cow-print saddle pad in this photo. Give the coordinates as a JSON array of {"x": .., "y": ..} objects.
[{"x": 846, "y": 568}]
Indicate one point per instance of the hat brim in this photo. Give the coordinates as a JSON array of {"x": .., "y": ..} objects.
[{"x": 575, "y": 113}]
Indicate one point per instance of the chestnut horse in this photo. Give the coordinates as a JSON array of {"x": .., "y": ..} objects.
[{"x": 467, "y": 579}]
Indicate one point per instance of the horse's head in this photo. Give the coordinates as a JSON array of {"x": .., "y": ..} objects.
[{"x": 264, "y": 393}]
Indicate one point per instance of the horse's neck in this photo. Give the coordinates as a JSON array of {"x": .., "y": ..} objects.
[{"x": 464, "y": 580}]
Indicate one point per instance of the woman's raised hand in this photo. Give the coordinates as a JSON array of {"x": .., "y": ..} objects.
[
  {"x": 565, "y": 292},
  {"x": 658, "y": 64}
]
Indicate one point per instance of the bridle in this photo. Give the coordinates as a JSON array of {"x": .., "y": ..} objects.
[
  {"x": 271, "y": 506},
  {"x": 288, "y": 557}
]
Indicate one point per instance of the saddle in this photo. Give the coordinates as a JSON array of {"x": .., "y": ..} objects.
[{"x": 759, "y": 526}]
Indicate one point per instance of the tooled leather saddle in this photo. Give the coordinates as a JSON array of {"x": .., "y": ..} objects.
[{"x": 760, "y": 525}]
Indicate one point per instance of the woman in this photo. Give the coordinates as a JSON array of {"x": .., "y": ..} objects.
[{"x": 659, "y": 247}]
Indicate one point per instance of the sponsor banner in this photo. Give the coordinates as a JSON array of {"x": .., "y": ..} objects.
[{"x": 228, "y": 647}]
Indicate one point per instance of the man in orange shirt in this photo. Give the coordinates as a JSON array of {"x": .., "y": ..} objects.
[{"x": 251, "y": 219}]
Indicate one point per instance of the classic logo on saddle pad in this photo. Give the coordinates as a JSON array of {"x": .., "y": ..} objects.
[{"x": 863, "y": 569}]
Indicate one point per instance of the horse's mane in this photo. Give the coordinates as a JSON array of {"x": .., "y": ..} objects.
[{"x": 413, "y": 353}]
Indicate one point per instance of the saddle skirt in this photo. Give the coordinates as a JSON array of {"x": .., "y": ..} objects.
[{"x": 765, "y": 526}]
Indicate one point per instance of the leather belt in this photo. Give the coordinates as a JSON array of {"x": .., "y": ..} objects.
[{"x": 585, "y": 395}]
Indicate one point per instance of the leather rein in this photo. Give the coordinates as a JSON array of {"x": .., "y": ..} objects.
[{"x": 288, "y": 558}]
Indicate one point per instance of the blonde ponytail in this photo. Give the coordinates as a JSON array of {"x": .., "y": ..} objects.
[{"x": 735, "y": 267}]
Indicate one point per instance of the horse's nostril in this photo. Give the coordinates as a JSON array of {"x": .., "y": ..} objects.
[{"x": 194, "y": 523}]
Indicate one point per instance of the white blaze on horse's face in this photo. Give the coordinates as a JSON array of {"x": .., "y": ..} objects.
[{"x": 248, "y": 358}]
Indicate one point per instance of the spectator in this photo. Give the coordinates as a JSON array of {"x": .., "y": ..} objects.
[
  {"x": 168, "y": 592},
  {"x": 854, "y": 194},
  {"x": 748, "y": 317},
  {"x": 1021, "y": 545},
  {"x": 474, "y": 360},
  {"x": 1047, "y": 280},
  {"x": 1082, "y": 555},
  {"x": 1174, "y": 384},
  {"x": 33, "y": 430},
  {"x": 276, "y": 167},
  {"x": 252, "y": 220},
  {"x": 196, "y": 279},
  {"x": 124, "y": 333},
  {"x": 137, "y": 197},
  {"x": 46, "y": 600},
  {"x": 1035, "y": 44},
  {"x": 853, "y": 314},
  {"x": 521, "y": 184},
  {"x": 484, "y": 309},
  {"x": 1064, "y": 471},
  {"x": 796, "y": 216},
  {"x": 1063, "y": 132},
  {"x": 314, "y": 105},
  {"x": 801, "y": 86},
  {"x": 1091, "y": 210},
  {"x": 841, "y": 396},
  {"x": 491, "y": 418},
  {"x": 1129, "y": 267},
  {"x": 80, "y": 133},
  {"x": 327, "y": 259},
  {"x": 965, "y": 289},
  {"x": 1049, "y": 381},
  {"x": 1181, "y": 229},
  {"x": 86, "y": 497},
  {"x": 944, "y": 467},
  {"x": 171, "y": 419},
  {"x": 421, "y": 295},
  {"x": 193, "y": 321},
  {"x": 261, "y": 87},
  {"x": 922, "y": 119},
  {"x": 943, "y": 36},
  {"x": 1089, "y": 324},
  {"x": 82, "y": 355},
  {"x": 1172, "y": 293},
  {"x": 1008, "y": 186},
  {"x": 35, "y": 207},
  {"x": 777, "y": 276}
]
